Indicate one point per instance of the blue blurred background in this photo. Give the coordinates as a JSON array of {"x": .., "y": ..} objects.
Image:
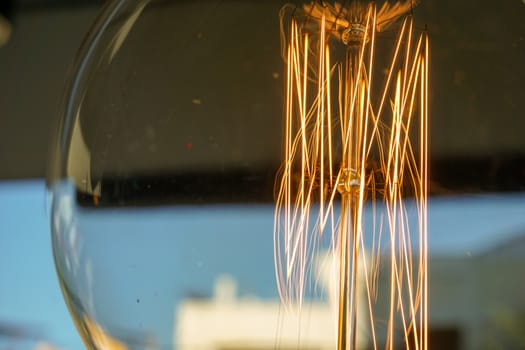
[{"x": 463, "y": 231}]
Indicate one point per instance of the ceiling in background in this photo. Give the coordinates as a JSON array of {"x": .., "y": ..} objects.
[{"x": 477, "y": 74}]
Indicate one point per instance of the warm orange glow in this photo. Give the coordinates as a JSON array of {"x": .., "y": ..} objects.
[
  {"x": 356, "y": 145},
  {"x": 100, "y": 338}
]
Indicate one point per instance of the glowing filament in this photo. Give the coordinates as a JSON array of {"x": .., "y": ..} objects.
[{"x": 352, "y": 148}]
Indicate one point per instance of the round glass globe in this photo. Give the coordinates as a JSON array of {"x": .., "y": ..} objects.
[{"x": 163, "y": 173}]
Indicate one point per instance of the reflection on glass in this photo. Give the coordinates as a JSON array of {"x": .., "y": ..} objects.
[{"x": 159, "y": 185}]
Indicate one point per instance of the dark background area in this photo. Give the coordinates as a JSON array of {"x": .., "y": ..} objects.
[{"x": 477, "y": 98}]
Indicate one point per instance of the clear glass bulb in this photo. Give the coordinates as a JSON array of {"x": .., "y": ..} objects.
[
  {"x": 198, "y": 138},
  {"x": 162, "y": 178}
]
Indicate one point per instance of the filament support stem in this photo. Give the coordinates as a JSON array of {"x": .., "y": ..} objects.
[{"x": 348, "y": 187}]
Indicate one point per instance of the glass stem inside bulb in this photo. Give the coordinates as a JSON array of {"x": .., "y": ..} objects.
[{"x": 348, "y": 261}]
